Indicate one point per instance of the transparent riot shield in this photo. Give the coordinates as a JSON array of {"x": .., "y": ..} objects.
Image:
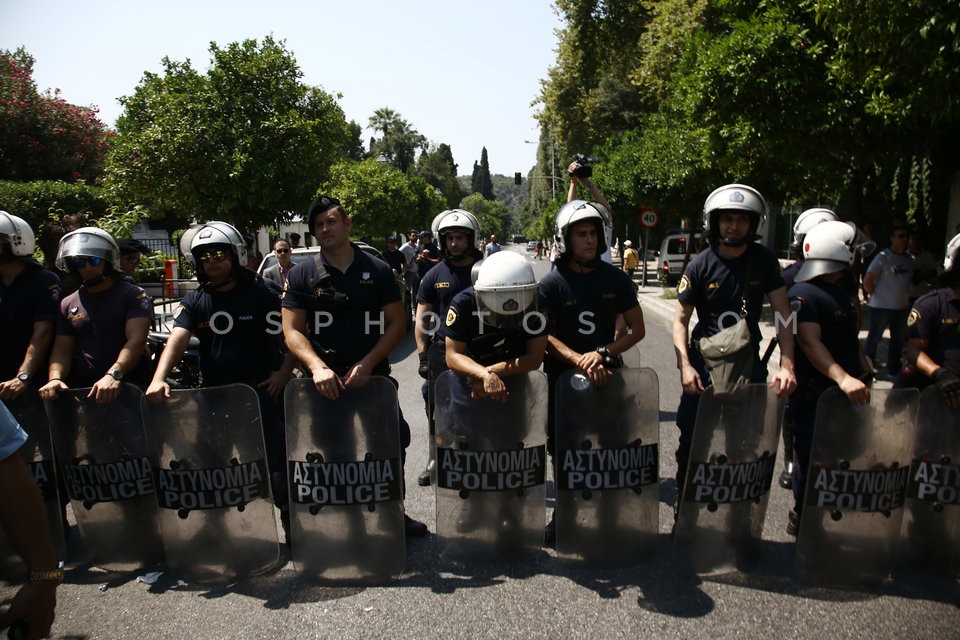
[
  {"x": 37, "y": 452},
  {"x": 437, "y": 364},
  {"x": 631, "y": 357},
  {"x": 212, "y": 482},
  {"x": 856, "y": 487},
  {"x": 103, "y": 456},
  {"x": 732, "y": 464},
  {"x": 930, "y": 533},
  {"x": 491, "y": 462},
  {"x": 346, "y": 481},
  {"x": 606, "y": 467}
]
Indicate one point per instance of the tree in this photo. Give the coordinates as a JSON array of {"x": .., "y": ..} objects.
[
  {"x": 493, "y": 216},
  {"x": 247, "y": 143},
  {"x": 398, "y": 142},
  {"x": 480, "y": 182},
  {"x": 382, "y": 199},
  {"x": 42, "y": 137},
  {"x": 437, "y": 167}
]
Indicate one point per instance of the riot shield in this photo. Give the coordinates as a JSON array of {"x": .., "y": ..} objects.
[
  {"x": 931, "y": 517},
  {"x": 212, "y": 482},
  {"x": 437, "y": 364},
  {"x": 102, "y": 454},
  {"x": 606, "y": 467},
  {"x": 856, "y": 487},
  {"x": 346, "y": 481},
  {"x": 727, "y": 485},
  {"x": 491, "y": 462},
  {"x": 37, "y": 452}
]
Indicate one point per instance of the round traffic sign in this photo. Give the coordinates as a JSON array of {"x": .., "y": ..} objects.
[{"x": 649, "y": 218}]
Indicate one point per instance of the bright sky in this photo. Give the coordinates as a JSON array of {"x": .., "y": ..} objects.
[{"x": 461, "y": 72}]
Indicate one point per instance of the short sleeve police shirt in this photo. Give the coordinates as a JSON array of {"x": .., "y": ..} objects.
[
  {"x": 935, "y": 317},
  {"x": 487, "y": 344},
  {"x": 33, "y": 296},
  {"x": 830, "y": 307},
  {"x": 713, "y": 286}
]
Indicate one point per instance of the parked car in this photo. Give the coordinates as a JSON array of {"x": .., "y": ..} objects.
[
  {"x": 676, "y": 250},
  {"x": 532, "y": 245},
  {"x": 303, "y": 254}
]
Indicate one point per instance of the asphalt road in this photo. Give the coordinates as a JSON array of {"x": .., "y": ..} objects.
[{"x": 541, "y": 597}]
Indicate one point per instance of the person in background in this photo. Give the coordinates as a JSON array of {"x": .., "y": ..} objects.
[
  {"x": 294, "y": 240},
  {"x": 278, "y": 272},
  {"x": 131, "y": 252},
  {"x": 631, "y": 258},
  {"x": 887, "y": 282},
  {"x": 393, "y": 256},
  {"x": 492, "y": 247}
]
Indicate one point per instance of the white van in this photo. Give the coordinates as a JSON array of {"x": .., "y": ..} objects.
[{"x": 676, "y": 250}]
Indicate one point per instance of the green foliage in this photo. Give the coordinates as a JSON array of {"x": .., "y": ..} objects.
[
  {"x": 493, "y": 216},
  {"x": 381, "y": 199},
  {"x": 398, "y": 142},
  {"x": 38, "y": 201},
  {"x": 42, "y": 137},
  {"x": 437, "y": 167},
  {"x": 480, "y": 181},
  {"x": 247, "y": 143}
]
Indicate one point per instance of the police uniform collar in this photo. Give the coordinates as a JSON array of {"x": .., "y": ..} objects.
[{"x": 355, "y": 251}]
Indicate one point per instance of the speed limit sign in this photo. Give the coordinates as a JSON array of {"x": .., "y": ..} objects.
[{"x": 649, "y": 218}]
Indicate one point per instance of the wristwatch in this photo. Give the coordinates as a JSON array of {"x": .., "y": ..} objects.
[
  {"x": 116, "y": 374},
  {"x": 47, "y": 575},
  {"x": 23, "y": 377},
  {"x": 603, "y": 351}
]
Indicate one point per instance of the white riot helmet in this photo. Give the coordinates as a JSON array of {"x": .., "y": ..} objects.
[
  {"x": 88, "y": 242},
  {"x": 577, "y": 211},
  {"x": 733, "y": 197},
  {"x": 506, "y": 288},
  {"x": 456, "y": 220},
  {"x": 22, "y": 240},
  {"x": 215, "y": 233},
  {"x": 832, "y": 246},
  {"x": 807, "y": 221},
  {"x": 952, "y": 248}
]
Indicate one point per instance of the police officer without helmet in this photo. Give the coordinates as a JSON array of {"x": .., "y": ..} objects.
[
  {"x": 131, "y": 253},
  {"x": 365, "y": 313},
  {"x": 278, "y": 272},
  {"x": 827, "y": 333},
  {"x": 459, "y": 234},
  {"x": 583, "y": 298},
  {"x": 102, "y": 327},
  {"x": 29, "y": 295},
  {"x": 731, "y": 270}
]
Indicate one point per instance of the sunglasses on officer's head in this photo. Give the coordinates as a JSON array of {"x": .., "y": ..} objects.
[
  {"x": 216, "y": 256},
  {"x": 85, "y": 260}
]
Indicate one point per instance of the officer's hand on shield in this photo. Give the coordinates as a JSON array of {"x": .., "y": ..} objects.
[
  {"x": 157, "y": 392},
  {"x": 490, "y": 386},
  {"x": 105, "y": 390},
  {"x": 949, "y": 386},
  {"x": 357, "y": 376},
  {"x": 591, "y": 364},
  {"x": 327, "y": 383},
  {"x": 784, "y": 382},
  {"x": 274, "y": 384},
  {"x": 856, "y": 391},
  {"x": 52, "y": 389}
]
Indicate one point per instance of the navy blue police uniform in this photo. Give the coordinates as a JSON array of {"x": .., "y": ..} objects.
[
  {"x": 344, "y": 310},
  {"x": 830, "y": 306},
  {"x": 240, "y": 335},
  {"x": 33, "y": 296},
  {"x": 581, "y": 310},
  {"x": 714, "y": 286},
  {"x": 935, "y": 317}
]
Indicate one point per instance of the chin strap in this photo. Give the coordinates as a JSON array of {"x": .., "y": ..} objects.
[{"x": 92, "y": 282}]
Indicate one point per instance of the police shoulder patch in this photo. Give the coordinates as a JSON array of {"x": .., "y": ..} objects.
[
  {"x": 451, "y": 316},
  {"x": 796, "y": 303},
  {"x": 684, "y": 284},
  {"x": 177, "y": 311},
  {"x": 913, "y": 317}
]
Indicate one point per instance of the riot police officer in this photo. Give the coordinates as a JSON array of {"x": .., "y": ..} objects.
[
  {"x": 827, "y": 332},
  {"x": 459, "y": 235},
  {"x": 29, "y": 294},
  {"x": 728, "y": 277},
  {"x": 236, "y": 319},
  {"x": 582, "y": 298},
  {"x": 102, "y": 327},
  {"x": 342, "y": 313}
]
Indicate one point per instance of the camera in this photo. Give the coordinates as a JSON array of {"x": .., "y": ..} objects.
[{"x": 582, "y": 168}]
